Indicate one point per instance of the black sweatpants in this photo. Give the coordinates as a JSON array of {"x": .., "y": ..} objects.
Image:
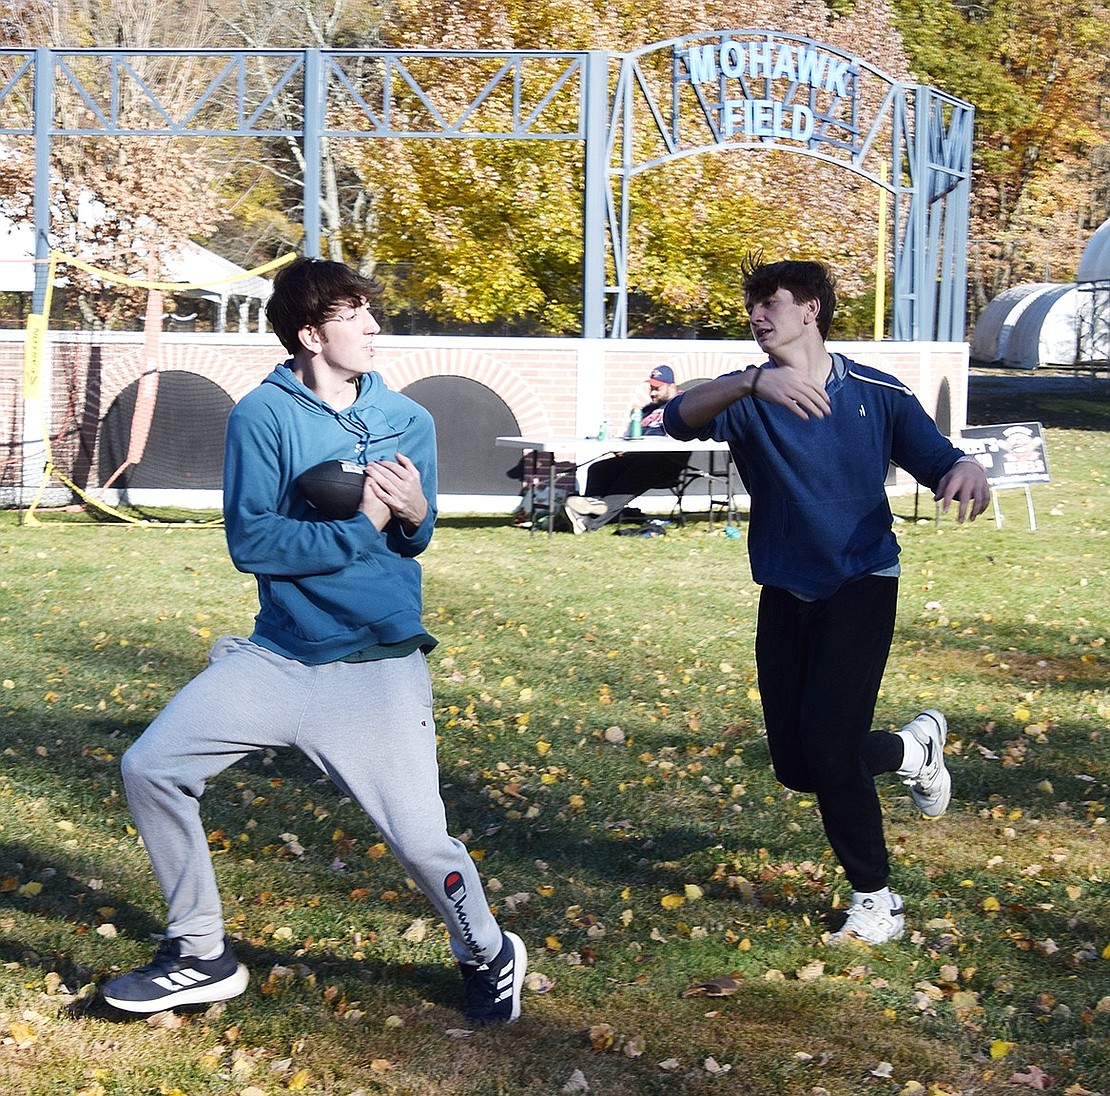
[
  {"x": 820, "y": 664},
  {"x": 633, "y": 473}
]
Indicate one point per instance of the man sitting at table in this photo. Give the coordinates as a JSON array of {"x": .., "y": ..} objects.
[{"x": 613, "y": 483}]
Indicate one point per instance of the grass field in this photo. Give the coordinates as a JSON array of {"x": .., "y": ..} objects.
[{"x": 602, "y": 757}]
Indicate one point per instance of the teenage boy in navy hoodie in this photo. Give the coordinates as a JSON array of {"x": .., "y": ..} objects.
[
  {"x": 336, "y": 662},
  {"x": 812, "y": 435}
]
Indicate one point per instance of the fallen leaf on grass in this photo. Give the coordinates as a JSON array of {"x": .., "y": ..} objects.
[
  {"x": 23, "y": 1034},
  {"x": 576, "y": 1083},
  {"x": 723, "y": 986},
  {"x": 1034, "y": 1077},
  {"x": 416, "y": 932},
  {"x": 811, "y": 971},
  {"x": 165, "y": 1021},
  {"x": 535, "y": 982}
]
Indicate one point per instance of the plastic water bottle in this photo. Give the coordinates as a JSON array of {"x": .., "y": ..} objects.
[
  {"x": 636, "y": 423},
  {"x": 603, "y": 430}
]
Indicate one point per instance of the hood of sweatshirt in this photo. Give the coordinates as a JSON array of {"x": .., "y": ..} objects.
[{"x": 375, "y": 422}]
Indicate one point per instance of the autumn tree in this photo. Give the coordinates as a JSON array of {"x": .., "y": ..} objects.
[
  {"x": 1038, "y": 76},
  {"x": 267, "y": 185},
  {"x": 124, "y": 203},
  {"x": 492, "y": 231}
]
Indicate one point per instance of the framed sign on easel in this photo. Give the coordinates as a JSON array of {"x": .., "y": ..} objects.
[{"x": 1014, "y": 455}]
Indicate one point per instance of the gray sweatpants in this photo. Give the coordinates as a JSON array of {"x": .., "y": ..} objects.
[{"x": 367, "y": 725}]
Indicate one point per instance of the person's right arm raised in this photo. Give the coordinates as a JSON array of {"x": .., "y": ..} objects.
[{"x": 781, "y": 384}]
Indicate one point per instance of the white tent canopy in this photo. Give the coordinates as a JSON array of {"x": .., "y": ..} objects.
[
  {"x": 17, "y": 257},
  {"x": 1045, "y": 332},
  {"x": 218, "y": 280},
  {"x": 1028, "y": 325},
  {"x": 990, "y": 340},
  {"x": 215, "y": 278}
]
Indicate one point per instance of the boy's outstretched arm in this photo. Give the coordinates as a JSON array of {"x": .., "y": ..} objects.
[{"x": 965, "y": 483}]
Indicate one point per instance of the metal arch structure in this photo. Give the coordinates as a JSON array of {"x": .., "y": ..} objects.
[
  {"x": 762, "y": 90},
  {"x": 310, "y": 95},
  {"x": 630, "y": 112}
]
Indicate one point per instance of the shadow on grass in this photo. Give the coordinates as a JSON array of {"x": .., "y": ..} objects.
[
  {"x": 477, "y": 521},
  {"x": 1064, "y": 402}
]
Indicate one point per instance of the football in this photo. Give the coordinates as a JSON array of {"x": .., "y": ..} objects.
[{"x": 334, "y": 487}]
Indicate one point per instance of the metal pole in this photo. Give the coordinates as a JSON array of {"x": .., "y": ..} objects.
[
  {"x": 44, "y": 115},
  {"x": 36, "y": 351},
  {"x": 596, "y": 110},
  {"x": 315, "y": 97},
  {"x": 923, "y": 293},
  {"x": 880, "y": 262}
]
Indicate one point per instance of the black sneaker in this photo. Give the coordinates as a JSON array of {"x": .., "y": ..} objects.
[
  {"x": 173, "y": 979},
  {"x": 493, "y": 989}
]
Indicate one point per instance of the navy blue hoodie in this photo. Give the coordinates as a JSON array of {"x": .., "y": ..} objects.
[
  {"x": 326, "y": 589},
  {"x": 820, "y": 515}
]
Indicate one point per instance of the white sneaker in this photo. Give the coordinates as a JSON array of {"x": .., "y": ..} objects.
[
  {"x": 579, "y": 507},
  {"x": 577, "y": 522},
  {"x": 871, "y": 921},
  {"x": 931, "y": 785}
]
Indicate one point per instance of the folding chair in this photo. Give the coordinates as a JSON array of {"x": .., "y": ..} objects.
[
  {"x": 537, "y": 506},
  {"x": 718, "y": 488}
]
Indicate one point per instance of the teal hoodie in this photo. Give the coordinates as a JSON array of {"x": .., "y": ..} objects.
[{"x": 326, "y": 589}]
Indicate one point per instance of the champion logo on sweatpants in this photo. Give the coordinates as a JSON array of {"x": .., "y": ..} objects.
[{"x": 454, "y": 886}]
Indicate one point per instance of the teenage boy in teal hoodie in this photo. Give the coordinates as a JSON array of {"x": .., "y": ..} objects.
[
  {"x": 813, "y": 435},
  {"x": 336, "y": 662}
]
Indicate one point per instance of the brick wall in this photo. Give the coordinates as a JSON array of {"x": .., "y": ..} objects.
[{"x": 551, "y": 386}]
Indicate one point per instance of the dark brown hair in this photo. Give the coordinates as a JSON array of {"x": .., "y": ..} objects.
[
  {"x": 308, "y": 292},
  {"x": 803, "y": 279}
]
